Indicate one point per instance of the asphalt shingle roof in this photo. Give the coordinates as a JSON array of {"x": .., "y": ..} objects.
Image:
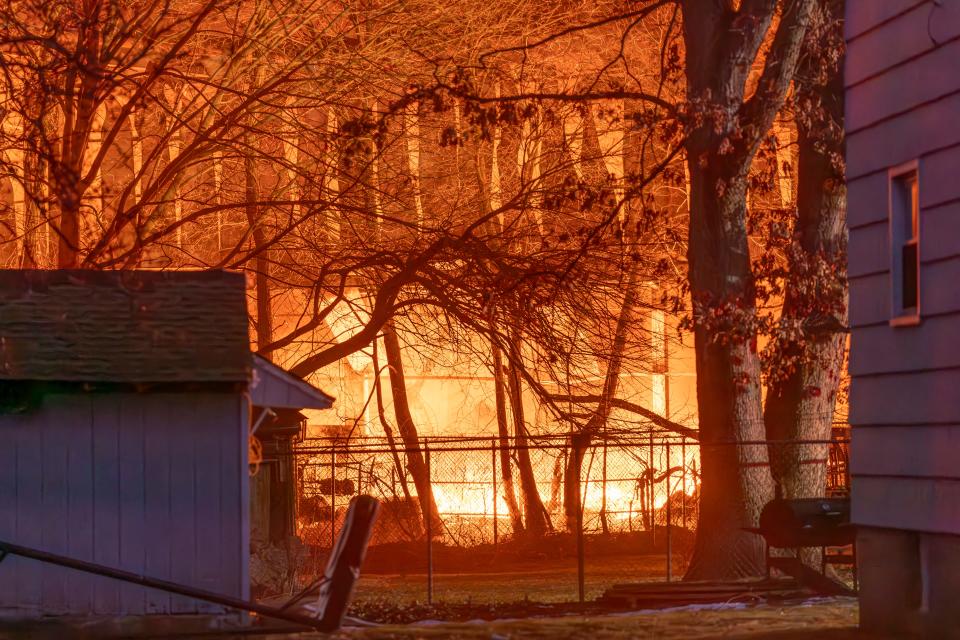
[{"x": 123, "y": 326}]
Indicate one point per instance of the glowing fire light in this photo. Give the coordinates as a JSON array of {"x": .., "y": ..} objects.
[{"x": 469, "y": 493}]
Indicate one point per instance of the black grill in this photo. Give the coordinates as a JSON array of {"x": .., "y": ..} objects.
[{"x": 807, "y": 522}]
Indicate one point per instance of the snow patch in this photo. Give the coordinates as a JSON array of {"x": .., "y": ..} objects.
[{"x": 711, "y": 606}]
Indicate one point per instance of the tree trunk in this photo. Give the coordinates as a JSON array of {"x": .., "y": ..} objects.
[
  {"x": 33, "y": 170},
  {"x": 262, "y": 261},
  {"x": 387, "y": 429},
  {"x": 723, "y": 42},
  {"x": 506, "y": 464},
  {"x": 736, "y": 480},
  {"x": 537, "y": 518},
  {"x": 572, "y": 496},
  {"x": 580, "y": 442},
  {"x": 80, "y": 104},
  {"x": 800, "y": 406},
  {"x": 68, "y": 232},
  {"x": 408, "y": 430},
  {"x": 391, "y": 440}
]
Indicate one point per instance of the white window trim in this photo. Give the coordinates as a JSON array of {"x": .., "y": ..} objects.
[{"x": 898, "y": 316}]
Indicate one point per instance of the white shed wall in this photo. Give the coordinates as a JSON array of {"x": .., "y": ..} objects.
[{"x": 151, "y": 483}]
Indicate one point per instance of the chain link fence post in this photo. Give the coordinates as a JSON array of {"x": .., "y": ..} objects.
[
  {"x": 653, "y": 498},
  {"x": 429, "y": 524},
  {"x": 683, "y": 480},
  {"x": 604, "y": 527},
  {"x": 493, "y": 472},
  {"x": 333, "y": 496},
  {"x": 669, "y": 517},
  {"x": 580, "y": 551}
]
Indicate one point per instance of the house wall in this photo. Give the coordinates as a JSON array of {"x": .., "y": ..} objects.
[
  {"x": 903, "y": 97},
  {"x": 902, "y": 103},
  {"x": 156, "y": 484}
]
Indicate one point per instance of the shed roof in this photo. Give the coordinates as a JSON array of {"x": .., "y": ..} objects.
[
  {"x": 279, "y": 389},
  {"x": 123, "y": 326}
]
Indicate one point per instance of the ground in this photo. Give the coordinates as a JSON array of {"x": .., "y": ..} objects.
[
  {"x": 820, "y": 619},
  {"x": 534, "y": 600},
  {"x": 826, "y": 619}
]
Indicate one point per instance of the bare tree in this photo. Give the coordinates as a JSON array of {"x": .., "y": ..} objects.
[{"x": 408, "y": 430}]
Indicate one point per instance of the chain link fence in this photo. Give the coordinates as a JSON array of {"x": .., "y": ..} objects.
[{"x": 638, "y": 498}]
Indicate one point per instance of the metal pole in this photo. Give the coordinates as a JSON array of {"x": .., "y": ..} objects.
[
  {"x": 164, "y": 585},
  {"x": 683, "y": 481},
  {"x": 580, "y": 553},
  {"x": 333, "y": 497},
  {"x": 493, "y": 466},
  {"x": 669, "y": 520},
  {"x": 603, "y": 508},
  {"x": 429, "y": 525},
  {"x": 653, "y": 499}
]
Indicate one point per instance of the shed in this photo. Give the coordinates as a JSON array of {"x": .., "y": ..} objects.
[
  {"x": 276, "y": 424},
  {"x": 125, "y": 412}
]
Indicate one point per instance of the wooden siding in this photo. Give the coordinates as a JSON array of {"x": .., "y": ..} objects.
[
  {"x": 868, "y": 195},
  {"x": 870, "y": 249},
  {"x": 903, "y": 101},
  {"x": 885, "y": 144},
  {"x": 926, "y": 397},
  {"x": 150, "y": 483},
  {"x": 882, "y": 349},
  {"x": 905, "y": 451},
  {"x": 918, "y": 81},
  {"x": 870, "y": 52},
  {"x": 865, "y": 15},
  {"x": 939, "y": 295},
  {"x": 938, "y": 502}
]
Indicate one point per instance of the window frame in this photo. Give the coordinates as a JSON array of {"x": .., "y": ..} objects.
[{"x": 897, "y": 223}]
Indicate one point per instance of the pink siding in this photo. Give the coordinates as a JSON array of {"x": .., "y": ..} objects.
[
  {"x": 904, "y": 87},
  {"x": 871, "y": 53},
  {"x": 864, "y": 15},
  {"x": 912, "y": 450},
  {"x": 903, "y": 101},
  {"x": 885, "y": 349},
  {"x": 870, "y": 295},
  {"x": 916, "y": 398},
  {"x": 892, "y": 142}
]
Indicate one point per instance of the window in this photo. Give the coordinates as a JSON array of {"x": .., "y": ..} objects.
[{"x": 905, "y": 244}]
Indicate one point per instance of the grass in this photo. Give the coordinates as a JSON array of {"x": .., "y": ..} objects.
[{"x": 540, "y": 581}]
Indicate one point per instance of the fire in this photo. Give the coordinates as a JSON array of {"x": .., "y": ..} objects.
[
  {"x": 468, "y": 501},
  {"x": 620, "y": 502},
  {"x": 472, "y": 495},
  {"x": 628, "y": 482}
]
